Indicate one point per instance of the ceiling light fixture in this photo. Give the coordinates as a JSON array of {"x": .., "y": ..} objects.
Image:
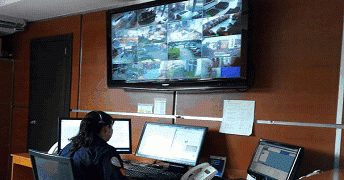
[{"x": 7, "y": 2}]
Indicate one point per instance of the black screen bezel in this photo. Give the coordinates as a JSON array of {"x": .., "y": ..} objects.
[
  {"x": 180, "y": 85},
  {"x": 297, "y": 161},
  {"x": 119, "y": 150}
]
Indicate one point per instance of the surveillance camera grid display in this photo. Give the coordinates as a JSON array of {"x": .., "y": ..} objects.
[{"x": 187, "y": 40}]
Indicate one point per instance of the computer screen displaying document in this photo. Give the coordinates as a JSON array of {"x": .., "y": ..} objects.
[
  {"x": 121, "y": 137},
  {"x": 171, "y": 143}
]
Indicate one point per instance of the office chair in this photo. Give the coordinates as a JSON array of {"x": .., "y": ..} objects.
[{"x": 51, "y": 167}]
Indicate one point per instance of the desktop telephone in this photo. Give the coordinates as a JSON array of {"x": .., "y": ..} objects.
[
  {"x": 53, "y": 149},
  {"x": 202, "y": 171}
]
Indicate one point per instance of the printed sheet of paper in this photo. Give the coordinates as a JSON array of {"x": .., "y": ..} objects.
[
  {"x": 238, "y": 117},
  {"x": 145, "y": 108},
  {"x": 160, "y": 106}
]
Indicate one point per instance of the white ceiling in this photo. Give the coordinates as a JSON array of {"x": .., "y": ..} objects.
[{"x": 36, "y": 10}]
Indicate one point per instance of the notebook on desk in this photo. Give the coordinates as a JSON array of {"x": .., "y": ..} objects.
[{"x": 275, "y": 160}]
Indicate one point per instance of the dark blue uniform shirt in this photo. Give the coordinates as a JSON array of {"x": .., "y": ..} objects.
[{"x": 99, "y": 161}]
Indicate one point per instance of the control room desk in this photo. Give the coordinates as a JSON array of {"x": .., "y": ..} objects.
[{"x": 22, "y": 168}]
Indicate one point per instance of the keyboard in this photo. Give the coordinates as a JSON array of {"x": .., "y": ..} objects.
[{"x": 138, "y": 170}]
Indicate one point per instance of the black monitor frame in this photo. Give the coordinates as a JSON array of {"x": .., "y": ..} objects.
[
  {"x": 125, "y": 150},
  {"x": 119, "y": 150},
  {"x": 296, "y": 163},
  {"x": 174, "y": 165},
  {"x": 186, "y": 85}
]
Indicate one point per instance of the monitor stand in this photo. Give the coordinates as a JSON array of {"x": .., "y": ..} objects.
[{"x": 179, "y": 168}]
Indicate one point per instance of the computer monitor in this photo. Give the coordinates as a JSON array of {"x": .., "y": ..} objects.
[
  {"x": 121, "y": 137},
  {"x": 275, "y": 160},
  {"x": 178, "y": 144}
]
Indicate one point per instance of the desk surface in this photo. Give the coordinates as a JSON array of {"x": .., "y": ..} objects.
[
  {"x": 21, "y": 159},
  {"x": 21, "y": 167},
  {"x": 24, "y": 160}
]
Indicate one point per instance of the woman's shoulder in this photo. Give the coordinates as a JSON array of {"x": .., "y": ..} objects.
[
  {"x": 65, "y": 151},
  {"x": 109, "y": 148},
  {"x": 104, "y": 147}
]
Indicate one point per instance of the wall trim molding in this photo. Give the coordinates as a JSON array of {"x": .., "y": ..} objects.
[{"x": 271, "y": 122}]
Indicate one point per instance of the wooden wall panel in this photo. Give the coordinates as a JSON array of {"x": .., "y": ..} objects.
[
  {"x": 19, "y": 130},
  {"x": 6, "y": 83},
  {"x": 94, "y": 94},
  {"x": 296, "y": 53},
  {"x": 5, "y": 133},
  {"x": 4, "y": 162},
  {"x": 297, "y": 62},
  {"x": 52, "y": 27},
  {"x": 21, "y": 82},
  {"x": 5, "y": 123},
  {"x": 303, "y": 107}
]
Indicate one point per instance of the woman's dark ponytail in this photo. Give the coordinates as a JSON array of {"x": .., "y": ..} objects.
[{"x": 90, "y": 127}]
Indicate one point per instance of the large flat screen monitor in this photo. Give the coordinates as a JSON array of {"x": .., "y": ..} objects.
[
  {"x": 178, "y": 144},
  {"x": 179, "y": 45},
  {"x": 275, "y": 160},
  {"x": 121, "y": 137}
]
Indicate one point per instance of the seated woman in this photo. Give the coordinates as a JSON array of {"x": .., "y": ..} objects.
[{"x": 92, "y": 157}]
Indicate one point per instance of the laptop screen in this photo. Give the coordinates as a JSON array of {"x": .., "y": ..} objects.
[{"x": 275, "y": 160}]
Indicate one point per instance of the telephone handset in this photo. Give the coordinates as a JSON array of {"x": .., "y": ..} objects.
[
  {"x": 202, "y": 171},
  {"x": 53, "y": 149}
]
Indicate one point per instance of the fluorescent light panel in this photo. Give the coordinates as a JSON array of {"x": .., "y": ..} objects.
[{"x": 7, "y": 2}]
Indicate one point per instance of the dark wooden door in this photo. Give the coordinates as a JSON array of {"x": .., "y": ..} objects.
[{"x": 50, "y": 74}]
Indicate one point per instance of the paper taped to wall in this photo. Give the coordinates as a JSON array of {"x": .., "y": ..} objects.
[
  {"x": 145, "y": 108},
  {"x": 238, "y": 117},
  {"x": 159, "y": 106}
]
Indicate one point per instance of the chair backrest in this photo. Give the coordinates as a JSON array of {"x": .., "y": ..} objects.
[{"x": 51, "y": 167}]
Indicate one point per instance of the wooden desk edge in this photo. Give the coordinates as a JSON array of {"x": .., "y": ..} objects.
[{"x": 21, "y": 159}]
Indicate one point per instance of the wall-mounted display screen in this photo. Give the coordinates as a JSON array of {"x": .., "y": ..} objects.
[{"x": 183, "y": 45}]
